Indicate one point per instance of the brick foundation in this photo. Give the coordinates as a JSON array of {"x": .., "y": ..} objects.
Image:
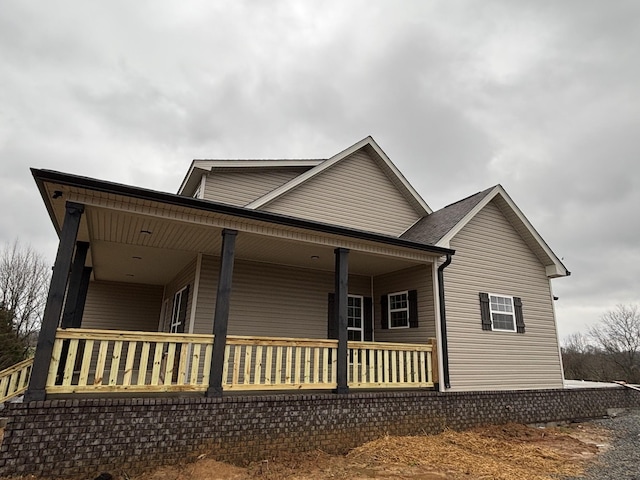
[{"x": 83, "y": 437}]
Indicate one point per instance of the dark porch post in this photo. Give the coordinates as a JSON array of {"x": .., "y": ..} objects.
[
  {"x": 341, "y": 276},
  {"x": 75, "y": 281},
  {"x": 221, "y": 315},
  {"x": 55, "y": 299},
  {"x": 82, "y": 297}
]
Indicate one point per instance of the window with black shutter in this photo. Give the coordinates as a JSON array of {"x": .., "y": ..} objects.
[
  {"x": 399, "y": 310},
  {"x": 501, "y": 313}
]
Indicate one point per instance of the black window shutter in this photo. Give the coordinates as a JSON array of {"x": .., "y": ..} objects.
[
  {"x": 368, "y": 319},
  {"x": 182, "y": 314},
  {"x": 384, "y": 312},
  {"x": 413, "y": 308},
  {"x": 485, "y": 312},
  {"x": 332, "y": 324},
  {"x": 517, "y": 306}
]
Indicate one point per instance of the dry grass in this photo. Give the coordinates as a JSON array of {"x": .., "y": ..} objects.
[{"x": 506, "y": 452}]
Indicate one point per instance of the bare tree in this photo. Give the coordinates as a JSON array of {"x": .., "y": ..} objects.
[
  {"x": 24, "y": 280},
  {"x": 618, "y": 335}
]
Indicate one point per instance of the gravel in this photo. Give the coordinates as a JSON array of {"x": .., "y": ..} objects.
[{"x": 622, "y": 460}]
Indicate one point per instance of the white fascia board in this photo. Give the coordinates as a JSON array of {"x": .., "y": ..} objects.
[
  {"x": 555, "y": 269},
  {"x": 259, "y": 163},
  {"x": 412, "y": 192},
  {"x": 269, "y": 197},
  {"x": 186, "y": 177}
]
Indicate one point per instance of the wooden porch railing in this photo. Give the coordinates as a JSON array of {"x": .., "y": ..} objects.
[
  {"x": 121, "y": 361},
  {"x": 15, "y": 380}
]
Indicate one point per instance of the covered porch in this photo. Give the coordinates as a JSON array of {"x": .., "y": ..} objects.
[{"x": 242, "y": 300}]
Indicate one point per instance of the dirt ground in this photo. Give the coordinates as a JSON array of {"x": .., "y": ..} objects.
[{"x": 506, "y": 452}]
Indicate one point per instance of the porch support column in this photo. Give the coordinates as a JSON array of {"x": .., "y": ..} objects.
[
  {"x": 75, "y": 280},
  {"x": 341, "y": 275},
  {"x": 55, "y": 299},
  {"x": 221, "y": 315},
  {"x": 82, "y": 297}
]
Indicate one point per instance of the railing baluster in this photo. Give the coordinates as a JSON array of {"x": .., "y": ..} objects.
[
  {"x": 206, "y": 368},
  {"x": 195, "y": 364},
  {"x": 287, "y": 374},
  {"x": 297, "y": 364},
  {"x": 325, "y": 365},
  {"x": 268, "y": 368},
  {"x": 307, "y": 365},
  {"x": 257, "y": 371},
  {"x": 248, "y": 352},
  {"x": 182, "y": 364},
  {"x": 316, "y": 365},
  {"x": 55, "y": 361},
  {"x": 144, "y": 362},
  {"x": 86, "y": 363},
  {"x": 67, "y": 376},
  {"x": 236, "y": 365},
  {"x": 115, "y": 363},
  {"x": 225, "y": 366},
  {"x": 169, "y": 365},
  {"x": 102, "y": 359},
  {"x": 279, "y": 366},
  {"x": 157, "y": 364},
  {"x": 128, "y": 364}
]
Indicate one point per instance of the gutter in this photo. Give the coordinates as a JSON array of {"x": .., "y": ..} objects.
[{"x": 444, "y": 348}]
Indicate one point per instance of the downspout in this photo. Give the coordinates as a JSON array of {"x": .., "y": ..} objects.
[{"x": 443, "y": 323}]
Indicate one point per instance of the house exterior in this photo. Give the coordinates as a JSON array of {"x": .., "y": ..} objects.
[{"x": 292, "y": 274}]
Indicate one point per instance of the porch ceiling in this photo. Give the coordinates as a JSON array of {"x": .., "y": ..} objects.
[{"x": 134, "y": 248}]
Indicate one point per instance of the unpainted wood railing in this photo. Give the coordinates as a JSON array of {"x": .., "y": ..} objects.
[
  {"x": 15, "y": 380},
  {"x": 122, "y": 361},
  {"x": 388, "y": 365},
  {"x": 86, "y": 361}
]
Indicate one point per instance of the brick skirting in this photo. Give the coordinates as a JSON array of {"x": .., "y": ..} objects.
[{"x": 82, "y": 437}]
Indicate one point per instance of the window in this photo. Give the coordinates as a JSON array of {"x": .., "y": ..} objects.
[
  {"x": 399, "y": 310},
  {"x": 502, "y": 317},
  {"x": 354, "y": 318},
  {"x": 501, "y": 313}
]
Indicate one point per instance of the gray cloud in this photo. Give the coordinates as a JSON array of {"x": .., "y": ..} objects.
[{"x": 461, "y": 95}]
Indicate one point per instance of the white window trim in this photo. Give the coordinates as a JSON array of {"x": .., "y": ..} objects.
[
  {"x": 389, "y": 310},
  {"x": 362, "y": 319},
  {"x": 513, "y": 313},
  {"x": 176, "y": 312}
]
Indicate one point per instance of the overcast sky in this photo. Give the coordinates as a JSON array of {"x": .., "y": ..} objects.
[{"x": 543, "y": 98}]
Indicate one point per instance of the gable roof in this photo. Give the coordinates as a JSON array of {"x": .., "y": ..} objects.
[
  {"x": 410, "y": 194},
  {"x": 441, "y": 226}
]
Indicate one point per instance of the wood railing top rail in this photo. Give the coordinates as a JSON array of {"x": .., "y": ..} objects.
[
  {"x": 95, "y": 334},
  {"x": 17, "y": 367}
]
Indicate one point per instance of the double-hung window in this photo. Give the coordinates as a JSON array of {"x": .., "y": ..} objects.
[
  {"x": 399, "y": 310},
  {"x": 502, "y": 313},
  {"x": 355, "y": 314}
]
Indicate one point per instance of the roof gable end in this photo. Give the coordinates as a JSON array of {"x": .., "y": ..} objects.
[
  {"x": 554, "y": 266},
  {"x": 376, "y": 153}
]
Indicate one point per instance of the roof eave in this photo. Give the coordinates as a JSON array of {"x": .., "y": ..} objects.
[{"x": 43, "y": 176}]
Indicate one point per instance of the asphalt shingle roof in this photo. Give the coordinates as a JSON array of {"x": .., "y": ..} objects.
[{"x": 432, "y": 228}]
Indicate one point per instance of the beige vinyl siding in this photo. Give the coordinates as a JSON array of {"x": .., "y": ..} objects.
[
  {"x": 415, "y": 278},
  {"x": 186, "y": 277},
  {"x": 122, "y": 306},
  {"x": 242, "y": 186},
  {"x": 491, "y": 257},
  {"x": 271, "y": 300},
  {"x": 354, "y": 193}
]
